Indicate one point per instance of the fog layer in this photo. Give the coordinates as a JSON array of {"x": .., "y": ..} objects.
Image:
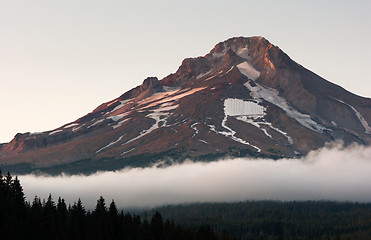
[{"x": 331, "y": 173}]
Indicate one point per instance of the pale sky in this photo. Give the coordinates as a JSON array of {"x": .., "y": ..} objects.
[{"x": 61, "y": 59}]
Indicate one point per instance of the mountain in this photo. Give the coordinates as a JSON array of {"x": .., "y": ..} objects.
[{"x": 245, "y": 97}]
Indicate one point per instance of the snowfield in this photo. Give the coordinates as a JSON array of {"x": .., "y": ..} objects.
[
  {"x": 248, "y": 70},
  {"x": 271, "y": 95},
  {"x": 238, "y": 107}
]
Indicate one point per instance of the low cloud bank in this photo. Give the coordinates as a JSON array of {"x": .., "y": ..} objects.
[{"x": 331, "y": 173}]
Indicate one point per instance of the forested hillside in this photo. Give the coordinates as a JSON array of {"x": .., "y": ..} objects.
[
  {"x": 47, "y": 219},
  {"x": 277, "y": 220}
]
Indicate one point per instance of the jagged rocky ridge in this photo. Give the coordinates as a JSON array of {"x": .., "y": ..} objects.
[{"x": 246, "y": 97}]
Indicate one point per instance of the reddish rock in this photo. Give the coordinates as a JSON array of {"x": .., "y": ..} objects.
[{"x": 183, "y": 115}]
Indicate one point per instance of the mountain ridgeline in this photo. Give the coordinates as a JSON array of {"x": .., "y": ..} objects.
[{"x": 244, "y": 98}]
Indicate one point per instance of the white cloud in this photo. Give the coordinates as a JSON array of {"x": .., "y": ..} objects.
[{"x": 331, "y": 173}]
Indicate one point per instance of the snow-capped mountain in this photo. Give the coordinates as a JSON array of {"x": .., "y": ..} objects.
[{"x": 245, "y": 97}]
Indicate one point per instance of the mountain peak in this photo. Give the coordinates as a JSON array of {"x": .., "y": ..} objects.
[
  {"x": 245, "y": 97},
  {"x": 255, "y": 50},
  {"x": 237, "y": 43}
]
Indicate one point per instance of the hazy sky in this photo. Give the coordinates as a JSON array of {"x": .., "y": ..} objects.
[{"x": 61, "y": 59}]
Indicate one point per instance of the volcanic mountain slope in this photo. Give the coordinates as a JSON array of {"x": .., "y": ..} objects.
[{"x": 246, "y": 97}]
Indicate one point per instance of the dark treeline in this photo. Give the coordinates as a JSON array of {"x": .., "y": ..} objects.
[
  {"x": 277, "y": 220},
  {"x": 46, "y": 219}
]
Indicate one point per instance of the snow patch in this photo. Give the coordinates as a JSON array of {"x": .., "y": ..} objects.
[
  {"x": 243, "y": 53},
  {"x": 184, "y": 94},
  {"x": 71, "y": 125},
  {"x": 154, "y": 116},
  {"x": 203, "y": 141},
  {"x": 195, "y": 129},
  {"x": 271, "y": 95},
  {"x": 259, "y": 123},
  {"x": 165, "y": 107},
  {"x": 289, "y": 139},
  {"x": 54, "y": 132},
  {"x": 119, "y": 124},
  {"x": 222, "y": 53},
  {"x": 74, "y": 129},
  {"x": 110, "y": 144},
  {"x": 122, "y": 104},
  {"x": 35, "y": 133},
  {"x": 248, "y": 70},
  {"x": 95, "y": 123},
  {"x": 116, "y": 118},
  {"x": 231, "y": 134},
  {"x": 127, "y": 151},
  {"x": 249, "y": 112},
  {"x": 359, "y": 116},
  {"x": 160, "y": 115},
  {"x": 238, "y": 107},
  {"x": 169, "y": 89},
  {"x": 201, "y": 75},
  {"x": 159, "y": 98},
  {"x": 255, "y": 124}
]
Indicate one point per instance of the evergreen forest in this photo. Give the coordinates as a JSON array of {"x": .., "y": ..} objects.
[{"x": 49, "y": 219}]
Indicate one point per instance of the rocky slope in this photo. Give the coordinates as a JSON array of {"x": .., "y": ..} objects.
[{"x": 246, "y": 97}]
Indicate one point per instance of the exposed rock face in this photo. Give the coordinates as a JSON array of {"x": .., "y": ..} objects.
[{"x": 244, "y": 97}]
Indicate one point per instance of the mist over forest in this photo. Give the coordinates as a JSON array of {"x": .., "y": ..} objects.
[{"x": 331, "y": 173}]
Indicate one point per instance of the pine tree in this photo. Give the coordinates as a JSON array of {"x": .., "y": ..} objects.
[
  {"x": 157, "y": 225},
  {"x": 61, "y": 207},
  {"x": 18, "y": 193},
  {"x": 100, "y": 208},
  {"x": 76, "y": 223},
  {"x": 50, "y": 205},
  {"x": 61, "y": 218},
  {"x": 113, "y": 209},
  {"x": 78, "y": 209},
  {"x": 114, "y": 218},
  {"x": 50, "y": 217},
  {"x": 102, "y": 225},
  {"x": 36, "y": 204}
]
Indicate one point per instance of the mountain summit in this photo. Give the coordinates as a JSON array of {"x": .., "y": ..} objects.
[{"x": 245, "y": 97}]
